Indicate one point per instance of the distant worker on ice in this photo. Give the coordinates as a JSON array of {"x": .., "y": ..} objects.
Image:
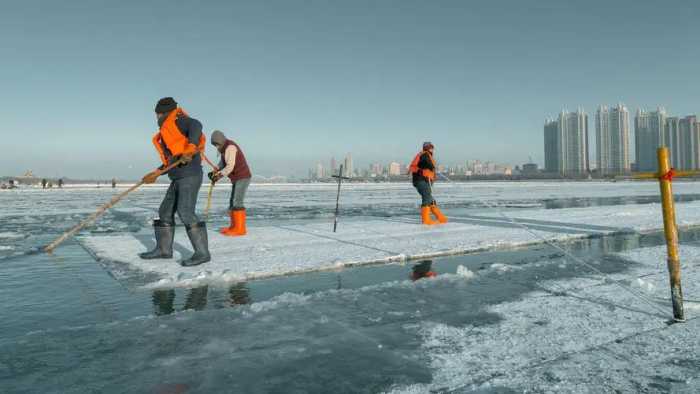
[
  {"x": 423, "y": 170},
  {"x": 233, "y": 165},
  {"x": 179, "y": 138}
]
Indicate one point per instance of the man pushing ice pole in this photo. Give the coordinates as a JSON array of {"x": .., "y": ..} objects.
[
  {"x": 423, "y": 172},
  {"x": 179, "y": 138},
  {"x": 233, "y": 165}
]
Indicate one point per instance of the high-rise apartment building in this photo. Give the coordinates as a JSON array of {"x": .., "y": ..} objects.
[
  {"x": 612, "y": 140},
  {"x": 672, "y": 139},
  {"x": 566, "y": 143},
  {"x": 552, "y": 146},
  {"x": 394, "y": 169},
  {"x": 649, "y": 134},
  {"x": 348, "y": 169}
]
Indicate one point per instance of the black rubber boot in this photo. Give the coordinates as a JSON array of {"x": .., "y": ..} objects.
[
  {"x": 165, "y": 232},
  {"x": 198, "y": 236}
]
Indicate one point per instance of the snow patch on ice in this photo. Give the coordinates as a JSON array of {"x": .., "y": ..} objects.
[
  {"x": 644, "y": 285},
  {"x": 10, "y": 235}
]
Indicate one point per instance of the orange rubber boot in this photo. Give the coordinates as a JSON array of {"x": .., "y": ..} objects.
[
  {"x": 438, "y": 213},
  {"x": 240, "y": 228},
  {"x": 224, "y": 230},
  {"x": 425, "y": 216}
]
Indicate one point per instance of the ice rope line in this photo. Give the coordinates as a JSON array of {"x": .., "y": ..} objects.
[
  {"x": 566, "y": 252},
  {"x": 337, "y": 240}
]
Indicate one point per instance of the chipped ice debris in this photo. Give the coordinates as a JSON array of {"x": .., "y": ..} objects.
[
  {"x": 465, "y": 272},
  {"x": 285, "y": 299},
  {"x": 499, "y": 267}
]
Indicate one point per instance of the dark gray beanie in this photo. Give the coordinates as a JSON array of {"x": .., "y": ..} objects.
[
  {"x": 218, "y": 138},
  {"x": 165, "y": 105}
]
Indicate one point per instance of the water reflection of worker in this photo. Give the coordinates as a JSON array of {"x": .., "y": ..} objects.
[
  {"x": 164, "y": 300},
  {"x": 423, "y": 269},
  {"x": 239, "y": 294}
]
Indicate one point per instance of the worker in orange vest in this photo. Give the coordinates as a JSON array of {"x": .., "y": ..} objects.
[
  {"x": 422, "y": 169},
  {"x": 179, "y": 138}
]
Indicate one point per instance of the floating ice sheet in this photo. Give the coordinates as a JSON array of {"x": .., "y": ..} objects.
[{"x": 291, "y": 249}]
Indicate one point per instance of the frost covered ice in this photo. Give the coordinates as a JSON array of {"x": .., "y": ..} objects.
[
  {"x": 582, "y": 341},
  {"x": 286, "y": 249}
]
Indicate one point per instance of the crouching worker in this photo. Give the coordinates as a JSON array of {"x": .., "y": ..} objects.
[
  {"x": 233, "y": 165},
  {"x": 422, "y": 169},
  {"x": 180, "y": 138}
]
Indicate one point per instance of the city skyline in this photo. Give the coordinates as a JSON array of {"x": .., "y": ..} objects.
[
  {"x": 473, "y": 167},
  {"x": 565, "y": 139}
]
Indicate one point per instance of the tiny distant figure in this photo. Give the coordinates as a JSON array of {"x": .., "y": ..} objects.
[
  {"x": 114, "y": 183},
  {"x": 423, "y": 269},
  {"x": 50, "y": 185},
  {"x": 44, "y": 183},
  {"x": 12, "y": 184},
  {"x": 179, "y": 140},
  {"x": 422, "y": 169},
  {"x": 233, "y": 164},
  {"x": 60, "y": 183}
]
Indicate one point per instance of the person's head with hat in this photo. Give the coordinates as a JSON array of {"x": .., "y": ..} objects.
[
  {"x": 218, "y": 139},
  {"x": 428, "y": 146},
  {"x": 165, "y": 106}
]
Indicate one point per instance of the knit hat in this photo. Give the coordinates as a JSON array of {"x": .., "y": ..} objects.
[
  {"x": 428, "y": 145},
  {"x": 165, "y": 105},
  {"x": 218, "y": 138}
]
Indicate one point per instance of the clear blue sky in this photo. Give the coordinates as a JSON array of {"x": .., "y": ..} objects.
[{"x": 299, "y": 81}]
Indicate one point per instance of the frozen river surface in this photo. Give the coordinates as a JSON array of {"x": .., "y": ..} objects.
[{"x": 294, "y": 307}]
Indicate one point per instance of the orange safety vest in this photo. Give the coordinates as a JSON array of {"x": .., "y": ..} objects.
[
  {"x": 173, "y": 138},
  {"x": 413, "y": 168}
]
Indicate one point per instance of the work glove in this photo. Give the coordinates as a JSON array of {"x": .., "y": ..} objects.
[
  {"x": 214, "y": 176},
  {"x": 151, "y": 177}
]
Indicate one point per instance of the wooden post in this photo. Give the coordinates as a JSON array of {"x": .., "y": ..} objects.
[
  {"x": 337, "y": 197},
  {"x": 671, "y": 233}
]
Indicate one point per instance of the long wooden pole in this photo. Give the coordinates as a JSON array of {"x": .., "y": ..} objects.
[
  {"x": 211, "y": 187},
  {"x": 206, "y": 209},
  {"x": 671, "y": 233},
  {"x": 102, "y": 210}
]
